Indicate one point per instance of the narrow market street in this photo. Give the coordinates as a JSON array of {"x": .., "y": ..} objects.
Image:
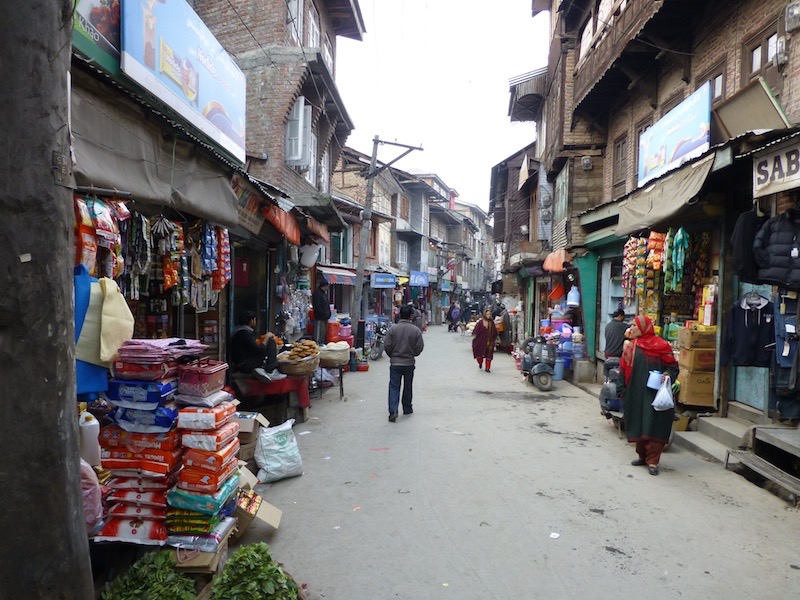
[{"x": 492, "y": 489}]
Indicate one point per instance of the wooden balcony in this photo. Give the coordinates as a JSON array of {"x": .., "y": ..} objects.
[{"x": 610, "y": 44}]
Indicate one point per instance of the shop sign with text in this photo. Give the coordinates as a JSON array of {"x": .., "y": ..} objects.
[
  {"x": 776, "y": 171},
  {"x": 382, "y": 280}
]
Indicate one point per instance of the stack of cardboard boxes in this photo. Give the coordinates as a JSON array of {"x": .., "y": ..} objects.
[{"x": 697, "y": 359}]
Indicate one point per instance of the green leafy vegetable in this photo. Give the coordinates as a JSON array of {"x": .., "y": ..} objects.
[
  {"x": 251, "y": 574},
  {"x": 152, "y": 577}
]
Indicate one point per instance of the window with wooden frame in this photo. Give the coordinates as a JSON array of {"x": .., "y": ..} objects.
[
  {"x": 758, "y": 57},
  {"x": 716, "y": 77},
  {"x": 671, "y": 103},
  {"x": 758, "y": 53},
  {"x": 620, "y": 171},
  {"x": 404, "y": 208}
]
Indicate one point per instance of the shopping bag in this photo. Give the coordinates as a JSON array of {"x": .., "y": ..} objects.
[{"x": 663, "y": 400}]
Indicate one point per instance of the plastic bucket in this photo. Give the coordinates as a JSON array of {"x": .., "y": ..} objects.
[
  {"x": 333, "y": 332},
  {"x": 654, "y": 380},
  {"x": 567, "y": 358},
  {"x": 559, "y": 370}
]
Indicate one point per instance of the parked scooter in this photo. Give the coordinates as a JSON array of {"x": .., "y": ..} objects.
[
  {"x": 538, "y": 363},
  {"x": 610, "y": 400}
]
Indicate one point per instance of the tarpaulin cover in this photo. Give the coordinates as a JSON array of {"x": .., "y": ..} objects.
[
  {"x": 663, "y": 198},
  {"x": 116, "y": 148},
  {"x": 283, "y": 222}
]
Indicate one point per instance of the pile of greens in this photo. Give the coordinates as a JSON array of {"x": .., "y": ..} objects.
[
  {"x": 152, "y": 576},
  {"x": 251, "y": 574}
]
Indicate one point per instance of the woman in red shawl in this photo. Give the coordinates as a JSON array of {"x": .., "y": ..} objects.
[
  {"x": 485, "y": 335},
  {"x": 648, "y": 428}
]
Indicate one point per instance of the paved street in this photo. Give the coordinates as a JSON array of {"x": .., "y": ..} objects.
[{"x": 493, "y": 490}]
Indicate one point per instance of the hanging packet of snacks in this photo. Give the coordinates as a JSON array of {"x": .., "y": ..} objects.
[
  {"x": 669, "y": 271},
  {"x": 222, "y": 275},
  {"x": 121, "y": 215},
  {"x": 137, "y": 262},
  {"x": 208, "y": 251},
  {"x": 108, "y": 237},
  {"x": 641, "y": 266},
  {"x": 85, "y": 236}
]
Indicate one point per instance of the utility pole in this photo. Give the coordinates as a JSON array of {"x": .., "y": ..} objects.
[
  {"x": 359, "y": 304},
  {"x": 45, "y": 550}
]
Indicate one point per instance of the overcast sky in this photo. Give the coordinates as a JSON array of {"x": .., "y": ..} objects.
[{"x": 434, "y": 73}]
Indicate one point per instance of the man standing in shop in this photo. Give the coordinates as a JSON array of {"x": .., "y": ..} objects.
[
  {"x": 615, "y": 334},
  {"x": 403, "y": 343},
  {"x": 322, "y": 312}
]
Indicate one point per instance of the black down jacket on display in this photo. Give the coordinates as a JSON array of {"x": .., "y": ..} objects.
[{"x": 777, "y": 250}]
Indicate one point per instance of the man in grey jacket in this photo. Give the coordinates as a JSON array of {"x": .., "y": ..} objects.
[{"x": 402, "y": 344}]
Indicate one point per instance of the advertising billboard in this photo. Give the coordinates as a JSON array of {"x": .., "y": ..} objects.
[
  {"x": 170, "y": 52},
  {"x": 680, "y": 135},
  {"x": 95, "y": 32}
]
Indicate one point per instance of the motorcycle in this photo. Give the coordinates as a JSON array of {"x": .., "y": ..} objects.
[
  {"x": 375, "y": 345},
  {"x": 538, "y": 363}
]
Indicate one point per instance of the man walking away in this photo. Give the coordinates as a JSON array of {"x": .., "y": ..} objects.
[
  {"x": 322, "y": 312},
  {"x": 615, "y": 334},
  {"x": 402, "y": 344}
]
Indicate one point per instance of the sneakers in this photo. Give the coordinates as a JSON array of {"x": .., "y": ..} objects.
[
  {"x": 261, "y": 375},
  {"x": 276, "y": 375},
  {"x": 266, "y": 376},
  {"x": 392, "y": 417}
]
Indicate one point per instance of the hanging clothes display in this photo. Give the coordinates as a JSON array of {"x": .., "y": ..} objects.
[
  {"x": 784, "y": 389},
  {"x": 680, "y": 246},
  {"x": 744, "y": 234},
  {"x": 749, "y": 333},
  {"x": 777, "y": 250}
]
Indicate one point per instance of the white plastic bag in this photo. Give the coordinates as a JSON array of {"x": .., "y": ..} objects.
[
  {"x": 277, "y": 453},
  {"x": 663, "y": 400}
]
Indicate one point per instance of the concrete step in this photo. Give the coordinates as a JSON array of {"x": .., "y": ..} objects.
[
  {"x": 725, "y": 431},
  {"x": 701, "y": 444},
  {"x": 745, "y": 414}
]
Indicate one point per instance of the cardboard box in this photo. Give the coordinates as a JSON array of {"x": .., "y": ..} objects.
[
  {"x": 697, "y": 388},
  {"x": 698, "y": 359},
  {"x": 249, "y": 425},
  {"x": 247, "y": 451},
  {"x": 249, "y": 507},
  {"x": 693, "y": 338},
  {"x": 206, "y": 562}
]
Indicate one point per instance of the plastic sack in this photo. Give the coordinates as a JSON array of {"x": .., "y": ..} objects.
[
  {"x": 663, "y": 400},
  {"x": 92, "y": 498},
  {"x": 277, "y": 454}
]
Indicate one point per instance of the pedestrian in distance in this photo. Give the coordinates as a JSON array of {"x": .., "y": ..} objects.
[
  {"x": 322, "y": 312},
  {"x": 615, "y": 334},
  {"x": 402, "y": 344},
  {"x": 483, "y": 340},
  {"x": 449, "y": 316},
  {"x": 646, "y": 427}
]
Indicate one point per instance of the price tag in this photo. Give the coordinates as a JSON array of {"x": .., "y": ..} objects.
[
  {"x": 790, "y": 328},
  {"x": 786, "y": 348}
]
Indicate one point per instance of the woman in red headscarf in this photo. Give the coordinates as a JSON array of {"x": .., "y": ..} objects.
[{"x": 648, "y": 428}]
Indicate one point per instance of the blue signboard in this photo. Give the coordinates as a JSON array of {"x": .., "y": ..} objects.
[
  {"x": 418, "y": 279},
  {"x": 446, "y": 285},
  {"x": 170, "y": 52},
  {"x": 680, "y": 135},
  {"x": 382, "y": 280}
]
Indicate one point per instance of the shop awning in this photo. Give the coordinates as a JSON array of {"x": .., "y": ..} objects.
[
  {"x": 116, "y": 149},
  {"x": 751, "y": 108},
  {"x": 663, "y": 198},
  {"x": 338, "y": 276},
  {"x": 321, "y": 207}
]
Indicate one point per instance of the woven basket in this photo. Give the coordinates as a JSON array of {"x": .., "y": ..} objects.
[
  {"x": 299, "y": 368},
  {"x": 331, "y": 359}
]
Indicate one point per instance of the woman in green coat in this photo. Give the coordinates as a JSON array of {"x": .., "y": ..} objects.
[{"x": 648, "y": 428}]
